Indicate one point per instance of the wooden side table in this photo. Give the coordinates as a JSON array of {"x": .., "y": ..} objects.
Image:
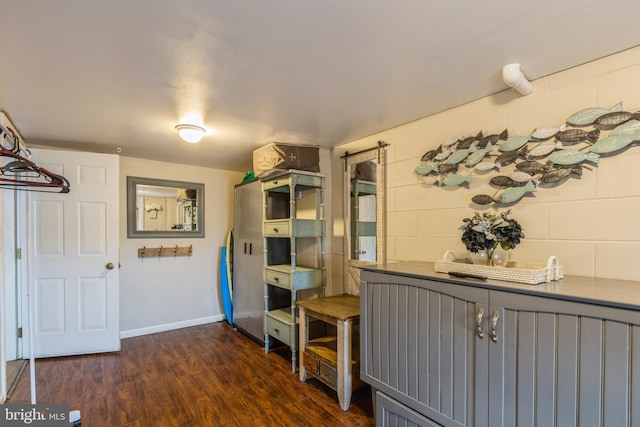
[{"x": 333, "y": 359}]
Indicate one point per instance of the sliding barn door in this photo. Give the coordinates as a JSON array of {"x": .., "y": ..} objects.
[{"x": 73, "y": 256}]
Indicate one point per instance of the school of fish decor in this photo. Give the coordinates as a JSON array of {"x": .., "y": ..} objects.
[{"x": 519, "y": 165}]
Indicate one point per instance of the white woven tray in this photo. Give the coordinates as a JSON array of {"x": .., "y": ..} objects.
[{"x": 519, "y": 272}]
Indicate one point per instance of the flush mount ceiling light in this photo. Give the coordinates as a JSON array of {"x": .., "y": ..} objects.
[
  {"x": 191, "y": 133},
  {"x": 512, "y": 76}
]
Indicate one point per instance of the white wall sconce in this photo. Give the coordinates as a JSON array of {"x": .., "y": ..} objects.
[
  {"x": 512, "y": 76},
  {"x": 190, "y": 133}
]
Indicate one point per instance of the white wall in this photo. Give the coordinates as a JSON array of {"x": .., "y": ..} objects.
[
  {"x": 591, "y": 223},
  {"x": 165, "y": 293}
]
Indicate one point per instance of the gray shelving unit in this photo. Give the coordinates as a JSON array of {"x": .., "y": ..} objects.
[{"x": 293, "y": 220}]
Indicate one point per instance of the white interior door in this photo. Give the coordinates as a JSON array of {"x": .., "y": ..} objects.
[{"x": 73, "y": 256}]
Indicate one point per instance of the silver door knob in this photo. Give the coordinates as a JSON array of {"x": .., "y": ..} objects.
[{"x": 109, "y": 266}]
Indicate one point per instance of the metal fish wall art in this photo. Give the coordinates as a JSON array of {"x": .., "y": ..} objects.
[
  {"x": 531, "y": 167},
  {"x": 483, "y": 199},
  {"x": 627, "y": 128},
  {"x": 492, "y": 139},
  {"x": 450, "y": 141},
  {"x": 511, "y": 156},
  {"x": 611, "y": 120},
  {"x": 546, "y": 156},
  {"x": 466, "y": 143},
  {"x": 547, "y": 133},
  {"x": 573, "y": 136},
  {"x": 430, "y": 155},
  {"x": 456, "y": 179},
  {"x": 514, "y": 143},
  {"x": 447, "y": 168},
  {"x": 613, "y": 143},
  {"x": 475, "y": 158},
  {"x": 443, "y": 154},
  {"x": 557, "y": 175},
  {"x": 520, "y": 177},
  {"x": 572, "y": 157},
  {"x": 502, "y": 181},
  {"x": 431, "y": 179},
  {"x": 544, "y": 149},
  {"x": 459, "y": 155},
  {"x": 514, "y": 194},
  {"x": 485, "y": 166},
  {"x": 425, "y": 169},
  {"x": 589, "y": 115}
]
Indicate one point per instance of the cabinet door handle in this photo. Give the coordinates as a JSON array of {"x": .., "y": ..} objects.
[
  {"x": 275, "y": 230},
  {"x": 250, "y": 248},
  {"x": 245, "y": 247},
  {"x": 479, "y": 322},
  {"x": 494, "y": 324}
]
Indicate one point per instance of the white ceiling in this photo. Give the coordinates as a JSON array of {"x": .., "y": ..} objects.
[{"x": 102, "y": 74}]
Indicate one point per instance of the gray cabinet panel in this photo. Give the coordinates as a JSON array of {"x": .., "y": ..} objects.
[
  {"x": 394, "y": 331},
  {"x": 445, "y": 390},
  {"x": 525, "y": 353},
  {"x": 435, "y": 349},
  {"x": 567, "y": 393},
  {"x": 547, "y": 362},
  {"x": 616, "y": 370},
  {"x": 634, "y": 387},
  {"x": 572, "y": 369},
  {"x": 545, "y": 368},
  {"x": 390, "y": 413},
  {"x": 590, "y": 372},
  {"x": 462, "y": 361},
  {"x": 403, "y": 342},
  {"x": 444, "y": 366}
]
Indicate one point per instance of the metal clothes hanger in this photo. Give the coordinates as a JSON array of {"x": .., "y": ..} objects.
[{"x": 23, "y": 174}]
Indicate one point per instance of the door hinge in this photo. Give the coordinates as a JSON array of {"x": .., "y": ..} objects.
[
  {"x": 19, "y": 332},
  {"x": 18, "y": 253}
]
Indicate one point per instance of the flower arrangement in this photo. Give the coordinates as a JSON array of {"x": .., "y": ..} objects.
[{"x": 485, "y": 231}]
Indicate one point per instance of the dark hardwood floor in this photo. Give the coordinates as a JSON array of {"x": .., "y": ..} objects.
[{"x": 209, "y": 375}]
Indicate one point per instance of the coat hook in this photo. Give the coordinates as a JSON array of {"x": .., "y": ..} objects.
[
  {"x": 175, "y": 251},
  {"x": 142, "y": 253},
  {"x": 160, "y": 251}
]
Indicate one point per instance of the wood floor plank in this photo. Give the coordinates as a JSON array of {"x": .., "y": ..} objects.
[{"x": 208, "y": 375}]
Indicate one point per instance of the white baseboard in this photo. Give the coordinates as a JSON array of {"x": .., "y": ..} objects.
[{"x": 170, "y": 326}]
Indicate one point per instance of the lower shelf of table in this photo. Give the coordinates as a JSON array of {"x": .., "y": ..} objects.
[{"x": 320, "y": 360}]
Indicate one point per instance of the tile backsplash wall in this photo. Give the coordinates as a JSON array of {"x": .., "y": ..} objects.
[{"x": 591, "y": 223}]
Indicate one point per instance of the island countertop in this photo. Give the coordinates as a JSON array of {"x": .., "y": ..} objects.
[{"x": 592, "y": 290}]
